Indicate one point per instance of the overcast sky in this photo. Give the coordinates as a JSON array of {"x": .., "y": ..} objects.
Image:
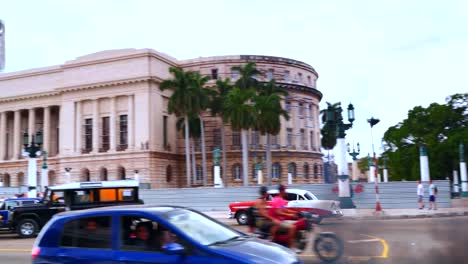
[{"x": 385, "y": 57}]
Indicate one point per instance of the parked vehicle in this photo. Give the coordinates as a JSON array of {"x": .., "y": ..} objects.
[
  {"x": 327, "y": 245},
  {"x": 299, "y": 200},
  {"x": 27, "y": 220},
  {"x": 7, "y": 206},
  {"x": 171, "y": 235}
]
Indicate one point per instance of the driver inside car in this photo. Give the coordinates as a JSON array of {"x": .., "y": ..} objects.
[{"x": 279, "y": 212}]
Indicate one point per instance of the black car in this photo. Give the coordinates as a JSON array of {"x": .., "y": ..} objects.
[{"x": 27, "y": 220}]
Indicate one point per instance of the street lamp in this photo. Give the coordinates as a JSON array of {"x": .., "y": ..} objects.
[
  {"x": 354, "y": 154},
  {"x": 333, "y": 115},
  {"x": 32, "y": 151},
  {"x": 373, "y": 168}
]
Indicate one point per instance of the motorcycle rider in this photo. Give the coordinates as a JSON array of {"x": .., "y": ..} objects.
[
  {"x": 263, "y": 219},
  {"x": 281, "y": 213}
]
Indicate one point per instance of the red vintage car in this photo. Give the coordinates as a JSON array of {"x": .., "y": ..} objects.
[{"x": 299, "y": 200}]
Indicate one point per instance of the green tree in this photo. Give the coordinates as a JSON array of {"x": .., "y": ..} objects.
[
  {"x": 180, "y": 104},
  {"x": 242, "y": 119},
  {"x": 329, "y": 129},
  {"x": 440, "y": 127},
  {"x": 268, "y": 115},
  {"x": 239, "y": 112}
]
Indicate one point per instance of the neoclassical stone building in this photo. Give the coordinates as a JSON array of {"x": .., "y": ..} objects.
[{"x": 103, "y": 116}]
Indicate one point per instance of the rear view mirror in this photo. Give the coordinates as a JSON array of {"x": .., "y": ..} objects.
[{"x": 173, "y": 249}]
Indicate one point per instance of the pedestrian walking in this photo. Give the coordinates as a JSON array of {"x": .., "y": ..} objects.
[
  {"x": 432, "y": 196},
  {"x": 420, "y": 192}
]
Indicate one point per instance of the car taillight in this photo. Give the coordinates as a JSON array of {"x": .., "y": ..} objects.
[{"x": 35, "y": 252}]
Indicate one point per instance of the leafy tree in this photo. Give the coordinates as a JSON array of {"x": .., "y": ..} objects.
[
  {"x": 268, "y": 115},
  {"x": 440, "y": 127}
]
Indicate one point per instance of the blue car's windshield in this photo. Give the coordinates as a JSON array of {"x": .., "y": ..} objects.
[{"x": 199, "y": 228}]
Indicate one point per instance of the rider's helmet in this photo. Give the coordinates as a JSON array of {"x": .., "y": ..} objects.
[
  {"x": 263, "y": 190},
  {"x": 281, "y": 187}
]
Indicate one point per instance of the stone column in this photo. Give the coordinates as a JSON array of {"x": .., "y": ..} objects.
[
  {"x": 46, "y": 145},
  {"x": 96, "y": 126},
  {"x": 3, "y": 133},
  {"x": 309, "y": 127},
  {"x": 130, "y": 123},
  {"x": 464, "y": 179},
  {"x": 31, "y": 124},
  {"x": 112, "y": 124},
  {"x": 282, "y": 137},
  {"x": 17, "y": 135},
  {"x": 78, "y": 127}
]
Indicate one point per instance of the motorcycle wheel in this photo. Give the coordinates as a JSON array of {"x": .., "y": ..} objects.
[{"x": 328, "y": 247}]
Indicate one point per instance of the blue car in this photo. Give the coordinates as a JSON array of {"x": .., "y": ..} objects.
[
  {"x": 150, "y": 234},
  {"x": 7, "y": 205}
]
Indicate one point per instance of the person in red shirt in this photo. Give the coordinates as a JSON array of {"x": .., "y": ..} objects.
[{"x": 280, "y": 212}]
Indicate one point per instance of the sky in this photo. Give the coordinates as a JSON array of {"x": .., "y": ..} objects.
[{"x": 384, "y": 57}]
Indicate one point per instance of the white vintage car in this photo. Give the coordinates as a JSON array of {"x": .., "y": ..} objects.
[{"x": 299, "y": 200}]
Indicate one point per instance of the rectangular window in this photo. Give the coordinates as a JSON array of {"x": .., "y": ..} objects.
[
  {"x": 217, "y": 138},
  {"x": 236, "y": 140},
  {"x": 90, "y": 232},
  {"x": 269, "y": 75},
  {"x": 234, "y": 75},
  {"x": 290, "y": 137},
  {"x": 301, "y": 109},
  {"x": 88, "y": 130},
  {"x": 255, "y": 138},
  {"x": 165, "y": 131},
  {"x": 123, "y": 132},
  {"x": 214, "y": 74},
  {"x": 105, "y": 130},
  {"x": 312, "y": 141},
  {"x": 303, "y": 138},
  {"x": 286, "y": 76},
  {"x": 288, "y": 107}
]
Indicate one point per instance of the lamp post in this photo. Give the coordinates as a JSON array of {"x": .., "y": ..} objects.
[
  {"x": 354, "y": 154},
  {"x": 373, "y": 168},
  {"x": 335, "y": 118},
  {"x": 45, "y": 172},
  {"x": 32, "y": 152}
]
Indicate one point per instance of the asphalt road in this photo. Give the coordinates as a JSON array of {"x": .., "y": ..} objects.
[{"x": 428, "y": 240}]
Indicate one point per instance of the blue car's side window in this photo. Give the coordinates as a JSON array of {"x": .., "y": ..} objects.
[
  {"x": 92, "y": 232},
  {"x": 142, "y": 234}
]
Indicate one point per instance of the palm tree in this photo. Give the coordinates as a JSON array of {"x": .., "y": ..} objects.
[
  {"x": 180, "y": 104},
  {"x": 248, "y": 85},
  {"x": 239, "y": 112},
  {"x": 217, "y": 109},
  {"x": 202, "y": 100},
  {"x": 268, "y": 115},
  {"x": 329, "y": 129},
  {"x": 195, "y": 133}
]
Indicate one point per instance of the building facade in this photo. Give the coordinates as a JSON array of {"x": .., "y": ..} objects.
[{"x": 104, "y": 116}]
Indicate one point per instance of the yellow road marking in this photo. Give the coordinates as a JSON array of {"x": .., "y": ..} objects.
[{"x": 384, "y": 244}]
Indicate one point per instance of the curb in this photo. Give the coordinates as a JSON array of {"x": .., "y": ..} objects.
[{"x": 393, "y": 217}]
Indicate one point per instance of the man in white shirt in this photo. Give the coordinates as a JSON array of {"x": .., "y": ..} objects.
[
  {"x": 420, "y": 192},
  {"x": 432, "y": 196}
]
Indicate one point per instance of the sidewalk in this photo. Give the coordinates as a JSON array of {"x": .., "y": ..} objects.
[{"x": 459, "y": 208}]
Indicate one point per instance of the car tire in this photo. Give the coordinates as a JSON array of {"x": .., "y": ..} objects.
[
  {"x": 242, "y": 217},
  {"x": 27, "y": 228}
]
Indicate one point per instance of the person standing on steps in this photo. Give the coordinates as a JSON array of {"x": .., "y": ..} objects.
[{"x": 420, "y": 192}]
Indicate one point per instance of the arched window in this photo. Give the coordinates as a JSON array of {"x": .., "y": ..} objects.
[
  {"x": 6, "y": 180},
  {"x": 52, "y": 178},
  {"x": 168, "y": 173},
  {"x": 236, "y": 172},
  {"x": 276, "y": 170},
  {"x": 316, "y": 171},
  {"x": 103, "y": 174},
  {"x": 20, "y": 177},
  {"x": 292, "y": 169},
  {"x": 199, "y": 175},
  {"x": 306, "y": 170},
  {"x": 121, "y": 173},
  {"x": 85, "y": 175}
]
